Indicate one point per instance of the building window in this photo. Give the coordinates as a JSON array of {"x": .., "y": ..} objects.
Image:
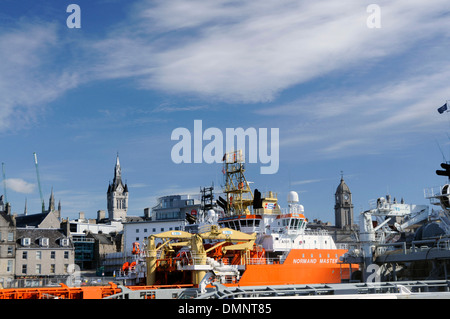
[
  {"x": 24, "y": 269},
  {"x": 24, "y": 255},
  {"x": 10, "y": 236},
  {"x": 154, "y": 230},
  {"x": 9, "y": 267},
  {"x": 38, "y": 255},
  {"x": 38, "y": 269},
  {"x": 137, "y": 238},
  {"x": 10, "y": 250},
  {"x": 52, "y": 255},
  {"x": 162, "y": 228},
  {"x": 145, "y": 230},
  {"x": 66, "y": 267},
  {"x": 66, "y": 255},
  {"x": 137, "y": 230},
  {"x": 52, "y": 268}
]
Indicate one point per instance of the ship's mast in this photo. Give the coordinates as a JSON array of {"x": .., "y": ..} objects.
[{"x": 239, "y": 194}]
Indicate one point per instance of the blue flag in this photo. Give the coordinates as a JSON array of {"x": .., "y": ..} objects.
[{"x": 443, "y": 108}]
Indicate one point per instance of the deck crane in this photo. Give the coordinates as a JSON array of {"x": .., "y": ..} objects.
[
  {"x": 4, "y": 182},
  {"x": 39, "y": 181}
]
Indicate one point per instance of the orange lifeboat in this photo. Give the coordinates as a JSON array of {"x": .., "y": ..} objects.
[{"x": 136, "y": 249}]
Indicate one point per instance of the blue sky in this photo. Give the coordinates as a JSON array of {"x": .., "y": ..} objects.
[{"x": 345, "y": 97}]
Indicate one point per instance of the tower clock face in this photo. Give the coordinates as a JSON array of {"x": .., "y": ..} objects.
[
  {"x": 119, "y": 189},
  {"x": 346, "y": 197}
]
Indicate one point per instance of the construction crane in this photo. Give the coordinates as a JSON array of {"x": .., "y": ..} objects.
[
  {"x": 39, "y": 181},
  {"x": 4, "y": 183}
]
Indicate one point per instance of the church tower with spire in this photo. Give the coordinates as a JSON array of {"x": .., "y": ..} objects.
[
  {"x": 343, "y": 208},
  {"x": 51, "y": 206},
  {"x": 117, "y": 195}
]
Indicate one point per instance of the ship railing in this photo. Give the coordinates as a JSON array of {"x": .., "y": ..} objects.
[
  {"x": 293, "y": 209},
  {"x": 416, "y": 246},
  {"x": 287, "y": 229},
  {"x": 199, "y": 260},
  {"x": 266, "y": 261},
  {"x": 346, "y": 246},
  {"x": 204, "y": 228},
  {"x": 432, "y": 191},
  {"x": 256, "y": 261},
  {"x": 320, "y": 232},
  {"x": 269, "y": 195}
]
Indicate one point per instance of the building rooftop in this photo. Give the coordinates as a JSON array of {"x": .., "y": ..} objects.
[{"x": 55, "y": 237}]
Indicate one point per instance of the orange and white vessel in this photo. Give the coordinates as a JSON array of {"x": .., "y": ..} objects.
[{"x": 254, "y": 243}]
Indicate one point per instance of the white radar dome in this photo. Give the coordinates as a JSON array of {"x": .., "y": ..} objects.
[
  {"x": 301, "y": 208},
  {"x": 211, "y": 213},
  {"x": 292, "y": 197}
]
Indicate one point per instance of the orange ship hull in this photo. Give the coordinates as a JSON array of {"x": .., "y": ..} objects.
[{"x": 302, "y": 266}]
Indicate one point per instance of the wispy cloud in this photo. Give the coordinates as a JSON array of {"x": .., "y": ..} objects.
[
  {"x": 27, "y": 78},
  {"x": 233, "y": 51},
  {"x": 19, "y": 185},
  {"x": 137, "y": 185},
  {"x": 381, "y": 117},
  {"x": 250, "y": 51},
  {"x": 164, "y": 108},
  {"x": 306, "y": 181}
]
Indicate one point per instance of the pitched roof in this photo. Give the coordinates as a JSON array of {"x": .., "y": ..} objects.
[
  {"x": 33, "y": 220},
  {"x": 35, "y": 234},
  {"x": 8, "y": 218}
]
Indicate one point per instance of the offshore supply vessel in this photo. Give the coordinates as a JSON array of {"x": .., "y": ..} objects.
[{"x": 253, "y": 243}]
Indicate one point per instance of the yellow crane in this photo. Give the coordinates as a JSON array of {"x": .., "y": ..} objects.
[{"x": 198, "y": 251}]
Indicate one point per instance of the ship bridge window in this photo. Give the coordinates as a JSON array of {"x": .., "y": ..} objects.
[
  {"x": 295, "y": 223},
  {"x": 249, "y": 222}
]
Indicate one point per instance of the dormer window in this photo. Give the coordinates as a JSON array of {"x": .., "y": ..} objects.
[
  {"x": 43, "y": 242},
  {"x": 64, "y": 242},
  {"x": 26, "y": 241}
]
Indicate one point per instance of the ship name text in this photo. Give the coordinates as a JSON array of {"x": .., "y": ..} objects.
[{"x": 314, "y": 261}]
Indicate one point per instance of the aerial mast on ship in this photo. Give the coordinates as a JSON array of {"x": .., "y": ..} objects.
[{"x": 237, "y": 189}]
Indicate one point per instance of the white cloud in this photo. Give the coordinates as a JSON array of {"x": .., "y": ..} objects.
[
  {"x": 306, "y": 181},
  {"x": 379, "y": 118},
  {"x": 250, "y": 51},
  {"x": 19, "y": 185},
  {"x": 137, "y": 185},
  {"x": 28, "y": 79}
]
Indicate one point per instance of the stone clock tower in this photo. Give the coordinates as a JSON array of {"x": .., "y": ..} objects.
[
  {"x": 117, "y": 195},
  {"x": 343, "y": 208}
]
